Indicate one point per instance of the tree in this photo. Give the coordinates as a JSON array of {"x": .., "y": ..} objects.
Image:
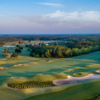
[
  {"x": 68, "y": 53},
  {"x": 5, "y": 52},
  {"x": 27, "y": 45},
  {"x": 15, "y": 55},
  {"x": 29, "y": 40},
  {"x": 20, "y": 42},
  {"x": 21, "y": 48},
  {"x": 47, "y": 54},
  {"x": 42, "y": 55},
  {"x": 18, "y": 50},
  {"x": 18, "y": 45}
]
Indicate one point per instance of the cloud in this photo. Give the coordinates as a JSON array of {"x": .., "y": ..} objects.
[
  {"x": 51, "y": 4},
  {"x": 65, "y": 22},
  {"x": 85, "y": 16},
  {"x": 75, "y": 16},
  {"x": 57, "y": 22}
]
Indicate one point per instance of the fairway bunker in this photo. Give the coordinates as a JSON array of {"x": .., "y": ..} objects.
[
  {"x": 98, "y": 71},
  {"x": 15, "y": 77},
  {"x": 71, "y": 79}
]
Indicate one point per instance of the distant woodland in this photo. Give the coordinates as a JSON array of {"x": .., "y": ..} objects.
[
  {"x": 64, "y": 45},
  {"x": 12, "y": 38}
]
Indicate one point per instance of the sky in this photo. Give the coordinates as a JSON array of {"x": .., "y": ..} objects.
[{"x": 49, "y": 16}]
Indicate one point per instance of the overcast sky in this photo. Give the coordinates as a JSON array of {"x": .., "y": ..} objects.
[{"x": 49, "y": 16}]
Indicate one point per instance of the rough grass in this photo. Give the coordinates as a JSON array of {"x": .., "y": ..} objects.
[
  {"x": 93, "y": 66},
  {"x": 76, "y": 68},
  {"x": 2, "y": 62},
  {"x": 69, "y": 70},
  {"x": 86, "y": 91}
]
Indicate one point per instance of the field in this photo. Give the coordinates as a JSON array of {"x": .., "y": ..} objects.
[{"x": 26, "y": 68}]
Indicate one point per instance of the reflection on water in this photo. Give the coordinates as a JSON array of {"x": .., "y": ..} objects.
[{"x": 8, "y": 46}]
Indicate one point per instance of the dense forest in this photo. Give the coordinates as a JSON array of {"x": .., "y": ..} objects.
[{"x": 61, "y": 51}]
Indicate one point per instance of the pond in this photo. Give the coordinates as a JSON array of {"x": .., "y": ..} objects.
[{"x": 9, "y": 46}]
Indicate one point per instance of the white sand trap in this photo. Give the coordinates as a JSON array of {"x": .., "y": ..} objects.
[
  {"x": 76, "y": 79},
  {"x": 2, "y": 68},
  {"x": 15, "y": 65},
  {"x": 15, "y": 77},
  {"x": 19, "y": 65},
  {"x": 98, "y": 71}
]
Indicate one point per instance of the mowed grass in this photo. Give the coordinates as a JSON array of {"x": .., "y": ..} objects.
[
  {"x": 35, "y": 66},
  {"x": 86, "y": 91},
  {"x": 36, "y": 69}
]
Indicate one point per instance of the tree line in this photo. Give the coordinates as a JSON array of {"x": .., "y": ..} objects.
[
  {"x": 67, "y": 37},
  {"x": 61, "y": 51}
]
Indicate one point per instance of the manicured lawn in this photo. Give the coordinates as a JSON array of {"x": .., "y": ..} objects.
[
  {"x": 42, "y": 69},
  {"x": 86, "y": 91}
]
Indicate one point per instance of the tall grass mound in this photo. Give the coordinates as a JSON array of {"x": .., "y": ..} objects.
[
  {"x": 39, "y": 77},
  {"x": 19, "y": 79},
  {"x": 93, "y": 66},
  {"x": 80, "y": 74},
  {"x": 69, "y": 70},
  {"x": 54, "y": 76},
  {"x": 33, "y": 84}
]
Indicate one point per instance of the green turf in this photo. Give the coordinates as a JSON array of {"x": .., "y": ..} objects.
[
  {"x": 86, "y": 91},
  {"x": 43, "y": 69}
]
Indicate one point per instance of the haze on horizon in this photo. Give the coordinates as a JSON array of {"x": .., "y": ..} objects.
[{"x": 49, "y": 16}]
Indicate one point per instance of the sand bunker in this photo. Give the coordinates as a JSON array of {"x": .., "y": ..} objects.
[
  {"x": 15, "y": 77},
  {"x": 98, "y": 71},
  {"x": 2, "y": 68},
  {"x": 18, "y": 65},
  {"x": 71, "y": 79}
]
